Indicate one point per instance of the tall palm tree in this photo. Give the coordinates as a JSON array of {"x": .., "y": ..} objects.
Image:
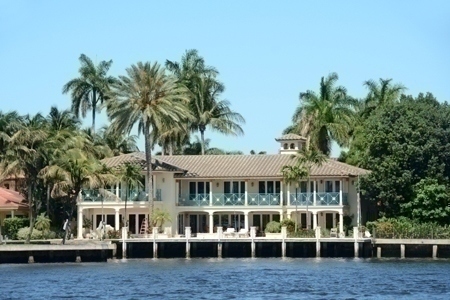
[
  {"x": 59, "y": 120},
  {"x": 9, "y": 124},
  {"x": 89, "y": 90},
  {"x": 209, "y": 111},
  {"x": 293, "y": 174},
  {"x": 326, "y": 116},
  {"x": 147, "y": 97},
  {"x": 382, "y": 93},
  {"x": 130, "y": 175},
  {"x": 306, "y": 159},
  {"x": 26, "y": 153},
  {"x": 118, "y": 143}
]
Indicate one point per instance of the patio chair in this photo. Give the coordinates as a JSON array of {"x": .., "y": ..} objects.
[{"x": 333, "y": 232}]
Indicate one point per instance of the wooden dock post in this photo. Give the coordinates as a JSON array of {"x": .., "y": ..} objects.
[
  {"x": 219, "y": 250},
  {"x": 318, "y": 241},
  {"x": 155, "y": 244},
  {"x": 253, "y": 246},
  {"x": 402, "y": 251},
  {"x": 435, "y": 251},
  {"x": 124, "y": 243},
  {"x": 188, "y": 244}
]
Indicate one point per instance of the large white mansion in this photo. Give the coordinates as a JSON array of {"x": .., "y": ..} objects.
[{"x": 238, "y": 191}]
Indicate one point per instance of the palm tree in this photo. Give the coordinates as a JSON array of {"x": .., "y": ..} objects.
[
  {"x": 380, "y": 94},
  {"x": 147, "y": 97},
  {"x": 306, "y": 159},
  {"x": 89, "y": 90},
  {"x": 59, "y": 120},
  {"x": 293, "y": 174},
  {"x": 118, "y": 143},
  {"x": 9, "y": 124},
  {"x": 209, "y": 111},
  {"x": 130, "y": 175},
  {"x": 326, "y": 116},
  {"x": 26, "y": 153}
]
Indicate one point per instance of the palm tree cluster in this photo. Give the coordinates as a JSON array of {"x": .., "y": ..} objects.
[
  {"x": 167, "y": 105},
  {"x": 332, "y": 115}
]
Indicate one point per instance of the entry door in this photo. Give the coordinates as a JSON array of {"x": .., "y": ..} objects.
[
  {"x": 193, "y": 223},
  {"x": 265, "y": 220},
  {"x": 328, "y": 220},
  {"x": 132, "y": 223}
]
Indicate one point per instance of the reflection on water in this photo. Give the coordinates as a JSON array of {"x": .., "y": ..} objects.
[{"x": 211, "y": 278}]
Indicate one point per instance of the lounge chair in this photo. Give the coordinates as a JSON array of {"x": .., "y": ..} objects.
[
  {"x": 229, "y": 233},
  {"x": 243, "y": 233}
]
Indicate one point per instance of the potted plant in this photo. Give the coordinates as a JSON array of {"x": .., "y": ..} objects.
[{"x": 273, "y": 229}]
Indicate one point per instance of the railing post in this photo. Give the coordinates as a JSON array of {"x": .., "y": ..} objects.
[
  {"x": 246, "y": 194},
  {"x": 210, "y": 193},
  {"x": 315, "y": 193}
]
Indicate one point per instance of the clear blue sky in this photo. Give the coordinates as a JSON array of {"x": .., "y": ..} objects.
[{"x": 266, "y": 51}]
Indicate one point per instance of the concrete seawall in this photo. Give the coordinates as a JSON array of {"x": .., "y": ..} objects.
[{"x": 48, "y": 253}]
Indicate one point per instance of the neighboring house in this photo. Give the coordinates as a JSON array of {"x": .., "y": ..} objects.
[
  {"x": 12, "y": 182},
  {"x": 11, "y": 204},
  {"x": 238, "y": 191}
]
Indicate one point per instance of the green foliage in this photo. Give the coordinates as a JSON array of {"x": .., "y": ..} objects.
[
  {"x": 273, "y": 227},
  {"x": 159, "y": 217},
  {"x": 114, "y": 234},
  {"x": 430, "y": 202},
  {"x": 303, "y": 233},
  {"x": 42, "y": 222},
  {"x": 402, "y": 143},
  {"x": 289, "y": 224},
  {"x": 12, "y": 226},
  {"x": 22, "y": 234},
  {"x": 404, "y": 228},
  {"x": 87, "y": 223}
]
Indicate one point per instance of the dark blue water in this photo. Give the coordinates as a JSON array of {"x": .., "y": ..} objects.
[{"x": 230, "y": 279}]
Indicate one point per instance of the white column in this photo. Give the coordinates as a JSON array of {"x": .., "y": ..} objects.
[
  {"x": 210, "y": 194},
  {"x": 246, "y": 220},
  {"x": 334, "y": 219},
  {"x": 177, "y": 192},
  {"x": 315, "y": 193},
  {"x": 340, "y": 192},
  {"x": 246, "y": 194},
  {"x": 117, "y": 190},
  {"x": 80, "y": 224},
  {"x": 136, "y": 224},
  {"x": 12, "y": 214},
  {"x": 281, "y": 193},
  {"x": 314, "y": 219},
  {"x": 211, "y": 222},
  {"x": 341, "y": 222},
  {"x": 153, "y": 186},
  {"x": 117, "y": 220},
  {"x": 288, "y": 193}
]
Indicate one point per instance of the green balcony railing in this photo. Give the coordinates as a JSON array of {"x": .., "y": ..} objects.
[
  {"x": 322, "y": 199},
  {"x": 263, "y": 199},
  {"x": 98, "y": 195}
]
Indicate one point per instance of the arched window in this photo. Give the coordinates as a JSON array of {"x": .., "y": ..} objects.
[
  {"x": 285, "y": 146},
  {"x": 292, "y": 146}
]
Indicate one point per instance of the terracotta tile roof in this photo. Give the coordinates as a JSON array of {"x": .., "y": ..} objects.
[
  {"x": 232, "y": 166},
  {"x": 290, "y": 137},
  {"x": 139, "y": 158},
  {"x": 10, "y": 199}
]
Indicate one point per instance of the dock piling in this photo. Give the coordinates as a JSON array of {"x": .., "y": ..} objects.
[
  {"x": 402, "y": 251},
  {"x": 435, "y": 251}
]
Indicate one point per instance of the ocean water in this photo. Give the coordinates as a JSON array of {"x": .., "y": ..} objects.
[{"x": 273, "y": 278}]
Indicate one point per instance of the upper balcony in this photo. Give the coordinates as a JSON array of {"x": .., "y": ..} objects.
[
  {"x": 117, "y": 195},
  {"x": 258, "y": 199}
]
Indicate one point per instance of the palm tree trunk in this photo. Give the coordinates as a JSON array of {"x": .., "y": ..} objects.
[
  {"x": 94, "y": 106},
  {"x": 202, "y": 135},
  {"x": 148, "y": 161},
  {"x": 30, "y": 203},
  {"x": 48, "y": 199}
]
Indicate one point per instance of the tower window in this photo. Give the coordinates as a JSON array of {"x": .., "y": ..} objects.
[
  {"x": 292, "y": 146},
  {"x": 285, "y": 146}
]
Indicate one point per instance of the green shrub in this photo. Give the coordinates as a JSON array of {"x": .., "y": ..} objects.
[
  {"x": 114, "y": 234},
  {"x": 42, "y": 222},
  {"x": 273, "y": 227},
  {"x": 303, "y": 233},
  {"x": 404, "y": 228},
  {"x": 48, "y": 234},
  {"x": 12, "y": 226},
  {"x": 22, "y": 234},
  {"x": 289, "y": 224}
]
